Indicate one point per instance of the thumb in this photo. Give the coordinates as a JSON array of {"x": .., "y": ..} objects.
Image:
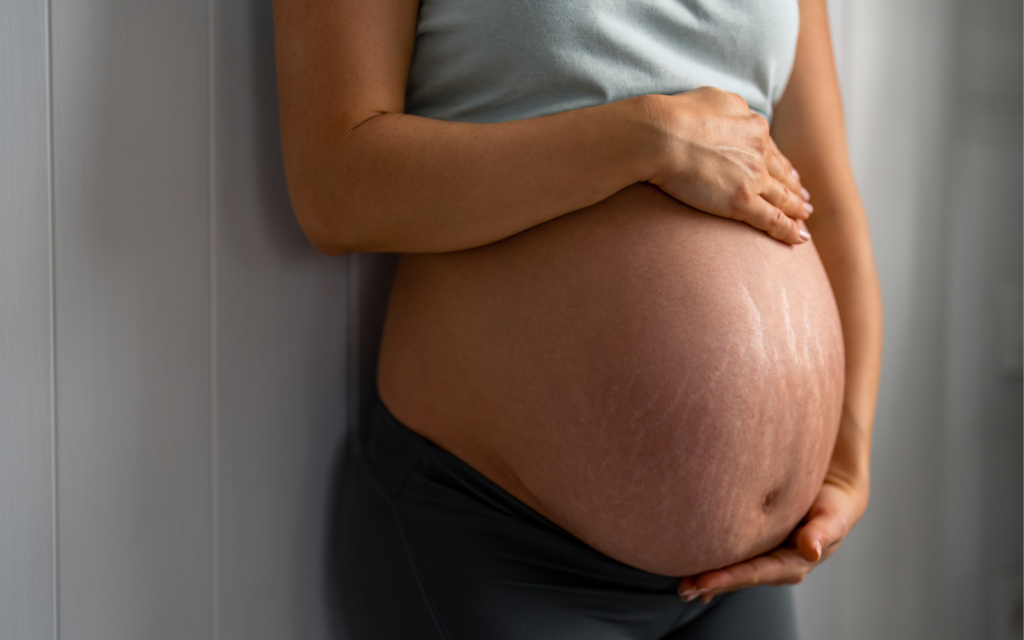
[
  {"x": 809, "y": 545},
  {"x": 819, "y": 534}
]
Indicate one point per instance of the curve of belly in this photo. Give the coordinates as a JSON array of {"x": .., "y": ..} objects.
[{"x": 663, "y": 384}]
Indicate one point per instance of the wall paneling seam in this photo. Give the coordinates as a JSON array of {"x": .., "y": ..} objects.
[
  {"x": 51, "y": 195},
  {"x": 211, "y": 117}
]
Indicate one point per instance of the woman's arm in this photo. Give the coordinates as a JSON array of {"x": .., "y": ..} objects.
[
  {"x": 364, "y": 176},
  {"x": 808, "y": 128}
]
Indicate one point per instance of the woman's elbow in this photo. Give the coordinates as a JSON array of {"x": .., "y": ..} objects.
[
  {"x": 316, "y": 205},
  {"x": 325, "y": 224},
  {"x": 329, "y": 246}
]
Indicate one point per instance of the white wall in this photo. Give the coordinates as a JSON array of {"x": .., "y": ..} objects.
[
  {"x": 177, "y": 363},
  {"x": 177, "y": 366}
]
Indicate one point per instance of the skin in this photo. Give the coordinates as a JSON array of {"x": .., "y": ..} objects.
[{"x": 366, "y": 177}]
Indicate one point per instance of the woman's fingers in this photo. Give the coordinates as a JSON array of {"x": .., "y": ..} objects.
[
  {"x": 777, "y": 194},
  {"x": 786, "y": 201},
  {"x": 768, "y": 568},
  {"x": 781, "y": 566},
  {"x": 788, "y": 188},
  {"x": 769, "y": 218},
  {"x": 827, "y": 526},
  {"x": 819, "y": 539}
]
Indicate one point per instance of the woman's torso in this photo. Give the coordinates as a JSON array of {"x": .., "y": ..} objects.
[{"x": 662, "y": 383}]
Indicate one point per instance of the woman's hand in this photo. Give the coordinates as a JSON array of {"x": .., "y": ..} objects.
[
  {"x": 720, "y": 158},
  {"x": 838, "y": 506}
]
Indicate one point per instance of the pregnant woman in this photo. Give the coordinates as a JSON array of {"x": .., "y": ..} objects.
[{"x": 622, "y": 389}]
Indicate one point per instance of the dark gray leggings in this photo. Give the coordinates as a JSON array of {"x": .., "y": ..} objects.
[{"x": 432, "y": 550}]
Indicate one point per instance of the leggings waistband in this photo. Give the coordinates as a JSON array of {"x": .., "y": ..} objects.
[{"x": 395, "y": 452}]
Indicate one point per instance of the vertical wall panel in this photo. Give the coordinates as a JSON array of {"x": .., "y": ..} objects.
[
  {"x": 281, "y": 351},
  {"x": 132, "y": 318},
  {"x": 26, "y": 416}
]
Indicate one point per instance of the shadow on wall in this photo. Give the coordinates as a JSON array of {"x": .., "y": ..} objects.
[
  {"x": 255, "y": 125},
  {"x": 370, "y": 278}
]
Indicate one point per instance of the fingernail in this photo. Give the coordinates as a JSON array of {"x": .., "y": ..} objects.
[
  {"x": 691, "y": 594},
  {"x": 795, "y": 173},
  {"x": 817, "y": 550},
  {"x": 805, "y": 193},
  {"x": 808, "y": 207},
  {"x": 804, "y": 235}
]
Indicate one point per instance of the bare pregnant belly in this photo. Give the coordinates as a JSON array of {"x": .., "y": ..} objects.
[{"x": 663, "y": 384}]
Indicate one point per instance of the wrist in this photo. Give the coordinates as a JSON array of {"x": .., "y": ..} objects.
[
  {"x": 855, "y": 482},
  {"x": 651, "y": 117},
  {"x": 851, "y": 457}
]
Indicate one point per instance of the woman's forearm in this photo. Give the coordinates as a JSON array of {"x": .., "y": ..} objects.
[{"x": 404, "y": 183}]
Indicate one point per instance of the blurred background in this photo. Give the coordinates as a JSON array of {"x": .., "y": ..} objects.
[{"x": 178, "y": 367}]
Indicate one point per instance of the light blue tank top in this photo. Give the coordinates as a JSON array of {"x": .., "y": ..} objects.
[{"x": 500, "y": 60}]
